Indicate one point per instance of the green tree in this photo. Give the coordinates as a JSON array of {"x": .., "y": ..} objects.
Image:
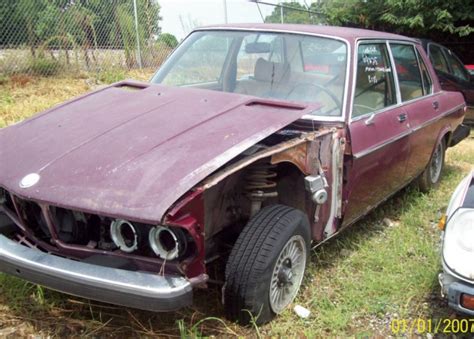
[
  {"x": 71, "y": 23},
  {"x": 423, "y": 18},
  {"x": 298, "y": 15},
  {"x": 168, "y": 39}
]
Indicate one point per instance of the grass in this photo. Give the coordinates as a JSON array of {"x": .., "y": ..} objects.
[
  {"x": 375, "y": 272},
  {"x": 21, "y": 95}
]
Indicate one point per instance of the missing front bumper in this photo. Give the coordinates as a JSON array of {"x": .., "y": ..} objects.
[{"x": 127, "y": 288}]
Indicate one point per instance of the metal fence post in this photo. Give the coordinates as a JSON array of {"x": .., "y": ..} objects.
[{"x": 139, "y": 52}]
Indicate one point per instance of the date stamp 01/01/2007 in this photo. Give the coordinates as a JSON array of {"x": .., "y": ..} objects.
[{"x": 432, "y": 326}]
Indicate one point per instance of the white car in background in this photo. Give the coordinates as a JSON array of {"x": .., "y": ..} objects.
[{"x": 457, "y": 278}]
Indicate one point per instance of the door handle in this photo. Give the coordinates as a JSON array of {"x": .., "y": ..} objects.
[
  {"x": 402, "y": 117},
  {"x": 370, "y": 120},
  {"x": 435, "y": 105}
]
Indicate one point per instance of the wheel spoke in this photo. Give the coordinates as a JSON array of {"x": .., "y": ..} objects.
[{"x": 287, "y": 273}]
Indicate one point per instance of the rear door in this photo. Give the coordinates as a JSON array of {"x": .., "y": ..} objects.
[
  {"x": 421, "y": 104},
  {"x": 379, "y": 132}
]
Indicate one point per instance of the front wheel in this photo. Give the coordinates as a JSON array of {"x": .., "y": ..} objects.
[
  {"x": 431, "y": 176},
  {"x": 267, "y": 263}
]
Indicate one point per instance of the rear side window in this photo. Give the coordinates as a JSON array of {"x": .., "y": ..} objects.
[
  {"x": 437, "y": 58},
  {"x": 408, "y": 71},
  {"x": 375, "y": 88},
  {"x": 425, "y": 76}
]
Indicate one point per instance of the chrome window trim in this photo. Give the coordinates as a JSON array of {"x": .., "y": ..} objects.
[
  {"x": 419, "y": 69},
  {"x": 420, "y": 61},
  {"x": 399, "y": 103},
  {"x": 395, "y": 74},
  {"x": 343, "y": 115},
  {"x": 354, "y": 80}
]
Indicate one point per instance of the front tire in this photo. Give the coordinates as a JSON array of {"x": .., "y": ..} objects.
[
  {"x": 266, "y": 266},
  {"x": 431, "y": 176}
]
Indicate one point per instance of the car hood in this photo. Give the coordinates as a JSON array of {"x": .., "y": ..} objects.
[{"x": 132, "y": 149}]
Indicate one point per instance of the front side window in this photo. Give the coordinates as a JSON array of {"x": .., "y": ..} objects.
[
  {"x": 408, "y": 71},
  {"x": 375, "y": 87},
  {"x": 281, "y": 66}
]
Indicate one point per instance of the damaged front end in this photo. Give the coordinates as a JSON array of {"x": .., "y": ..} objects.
[
  {"x": 293, "y": 167},
  {"x": 155, "y": 266},
  {"x": 111, "y": 260}
]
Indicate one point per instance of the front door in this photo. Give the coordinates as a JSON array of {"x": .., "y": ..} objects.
[{"x": 379, "y": 133}]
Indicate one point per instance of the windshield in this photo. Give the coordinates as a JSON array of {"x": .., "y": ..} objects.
[{"x": 267, "y": 65}]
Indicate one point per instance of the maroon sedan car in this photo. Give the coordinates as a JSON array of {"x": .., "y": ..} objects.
[
  {"x": 452, "y": 74},
  {"x": 238, "y": 151}
]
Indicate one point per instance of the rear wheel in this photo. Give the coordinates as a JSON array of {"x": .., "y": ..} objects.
[
  {"x": 267, "y": 263},
  {"x": 432, "y": 174}
]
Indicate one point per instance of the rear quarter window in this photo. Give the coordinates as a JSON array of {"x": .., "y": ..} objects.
[{"x": 425, "y": 76}]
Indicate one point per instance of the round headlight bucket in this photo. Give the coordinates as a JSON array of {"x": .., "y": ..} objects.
[
  {"x": 167, "y": 243},
  {"x": 124, "y": 235},
  {"x": 458, "y": 246}
]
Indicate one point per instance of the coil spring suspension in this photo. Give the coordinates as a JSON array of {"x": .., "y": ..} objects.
[{"x": 260, "y": 185}]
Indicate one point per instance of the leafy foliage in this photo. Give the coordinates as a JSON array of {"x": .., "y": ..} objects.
[
  {"x": 409, "y": 17},
  {"x": 46, "y": 67},
  {"x": 298, "y": 15},
  {"x": 87, "y": 21},
  {"x": 427, "y": 18},
  {"x": 168, "y": 39},
  {"x": 81, "y": 25}
]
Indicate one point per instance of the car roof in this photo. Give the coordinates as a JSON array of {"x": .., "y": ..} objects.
[{"x": 347, "y": 33}]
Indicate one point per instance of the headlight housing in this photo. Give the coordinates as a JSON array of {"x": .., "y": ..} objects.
[{"x": 458, "y": 244}]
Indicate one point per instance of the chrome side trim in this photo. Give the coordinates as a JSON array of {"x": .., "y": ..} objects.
[
  {"x": 381, "y": 145},
  {"x": 404, "y": 134},
  {"x": 401, "y": 104},
  {"x": 438, "y": 117}
]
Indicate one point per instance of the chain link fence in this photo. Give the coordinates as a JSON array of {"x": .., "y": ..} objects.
[{"x": 53, "y": 37}]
